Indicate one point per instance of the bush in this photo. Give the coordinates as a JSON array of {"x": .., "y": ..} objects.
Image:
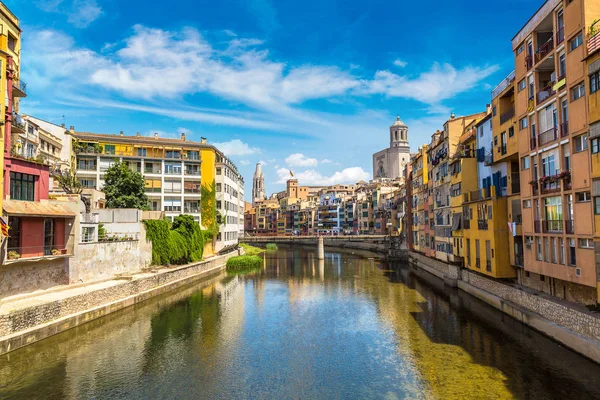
[
  {"x": 181, "y": 243},
  {"x": 271, "y": 246},
  {"x": 251, "y": 250},
  {"x": 244, "y": 263}
]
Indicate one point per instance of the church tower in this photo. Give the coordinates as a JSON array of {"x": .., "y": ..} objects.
[
  {"x": 258, "y": 185},
  {"x": 390, "y": 163}
]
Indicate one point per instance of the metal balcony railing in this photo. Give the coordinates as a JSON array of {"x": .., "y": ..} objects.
[
  {"x": 564, "y": 129},
  {"x": 560, "y": 36},
  {"x": 507, "y": 116},
  {"x": 502, "y": 149},
  {"x": 570, "y": 226},
  {"x": 519, "y": 260},
  {"x": 528, "y": 62},
  {"x": 21, "y": 88},
  {"x": 537, "y": 226},
  {"x": 545, "y": 93},
  {"x": 482, "y": 224},
  {"x": 548, "y": 136},
  {"x": 552, "y": 226},
  {"x": 544, "y": 49},
  {"x": 550, "y": 187},
  {"x": 532, "y": 143}
]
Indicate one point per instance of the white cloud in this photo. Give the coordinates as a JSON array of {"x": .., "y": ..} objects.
[
  {"x": 263, "y": 162},
  {"x": 400, "y": 63},
  {"x": 236, "y": 147},
  {"x": 80, "y": 13},
  {"x": 245, "y": 162},
  {"x": 326, "y": 161},
  {"x": 300, "y": 160},
  {"x": 312, "y": 177},
  {"x": 158, "y": 64}
]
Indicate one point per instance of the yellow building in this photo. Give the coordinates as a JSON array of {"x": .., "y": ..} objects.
[{"x": 10, "y": 82}]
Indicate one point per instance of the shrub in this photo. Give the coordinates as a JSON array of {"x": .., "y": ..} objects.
[
  {"x": 181, "y": 243},
  {"x": 251, "y": 250},
  {"x": 271, "y": 246},
  {"x": 244, "y": 263}
]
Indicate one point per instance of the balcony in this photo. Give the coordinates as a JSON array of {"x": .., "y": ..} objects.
[
  {"x": 550, "y": 187},
  {"x": 545, "y": 93},
  {"x": 570, "y": 226},
  {"x": 19, "y": 88},
  {"x": 537, "y": 226},
  {"x": 560, "y": 36},
  {"x": 191, "y": 210},
  {"x": 544, "y": 49},
  {"x": 195, "y": 172},
  {"x": 548, "y": 136},
  {"x": 507, "y": 116},
  {"x": 564, "y": 129},
  {"x": 502, "y": 149},
  {"x": 552, "y": 226},
  {"x": 519, "y": 260},
  {"x": 18, "y": 125},
  {"x": 87, "y": 167},
  {"x": 567, "y": 184},
  {"x": 528, "y": 62},
  {"x": 482, "y": 224},
  {"x": 532, "y": 143}
]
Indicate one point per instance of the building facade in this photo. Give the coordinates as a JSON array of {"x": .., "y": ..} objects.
[
  {"x": 390, "y": 163},
  {"x": 258, "y": 185}
]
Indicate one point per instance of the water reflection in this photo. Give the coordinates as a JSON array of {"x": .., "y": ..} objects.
[{"x": 303, "y": 328}]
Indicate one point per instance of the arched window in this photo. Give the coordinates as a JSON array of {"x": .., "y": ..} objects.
[{"x": 396, "y": 135}]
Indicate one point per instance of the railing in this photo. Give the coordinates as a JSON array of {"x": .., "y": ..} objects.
[
  {"x": 549, "y": 226},
  {"x": 89, "y": 218},
  {"x": 172, "y": 172},
  {"x": 545, "y": 93},
  {"x": 152, "y": 190},
  {"x": 564, "y": 129},
  {"x": 482, "y": 224},
  {"x": 475, "y": 195},
  {"x": 18, "y": 123},
  {"x": 502, "y": 149},
  {"x": 532, "y": 143},
  {"x": 560, "y": 36},
  {"x": 570, "y": 226},
  {"x": 192, "y": 172},
  {"x": 443, "y": 232},
  {"x": 544, "y": 49},
  {"x": 507, "y": 116},
  {"x": 535, "y": 189},
  {"x": 37, "y": 247},
  {"x": 518, "y": 219},
  {"x": 488, "y": 265},
  {"x": 503, "y": 85},
  {"x": 20, "y": 85},
  {"x": 191, "y": 190},
  {"x": 567, "y": 184},
  {"x": 550, "y": 187},
  {"x": 87, "y": 167},
  {"x": 548, "y": 136},
  {"x": 515, "y": 185},
  {"x": 117, "y": 237},
  {"x": 537, "y": 226},
  {"x": 192, "y": 210},
  {"x": 519, "y": 260},
  {"x": 528, "y": 62}
]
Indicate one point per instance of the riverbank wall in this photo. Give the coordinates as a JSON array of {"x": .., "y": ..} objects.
[
  {"x": 32, "y": 319},
  {"x": 575, "y": 328}
]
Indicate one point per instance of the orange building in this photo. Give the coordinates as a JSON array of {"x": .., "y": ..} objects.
[{"x": 551, "y": 109}]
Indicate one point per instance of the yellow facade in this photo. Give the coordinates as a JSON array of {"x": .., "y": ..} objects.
[
  {"x": 10, "y": 47},
  {"x": 594, "y": 121}
]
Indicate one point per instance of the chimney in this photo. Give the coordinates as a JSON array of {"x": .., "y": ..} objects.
[
  {"x": 72, "y": 129},
  {"x": 155, "y": 135},
  {"x": 488, "y": 108},
  {"x": 183, "y": 136},
  {"x": 203, "y": 140},
  {"x": 452, "y": 116},
  {"x": 62, "y": 125},
  {"x": 137, "y": 134},
  {"x": 121, "y": 133}
]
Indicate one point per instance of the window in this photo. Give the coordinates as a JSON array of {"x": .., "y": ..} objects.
[
  {"x": 495, "y": 140},
  {"x": 586, "y": 243},
  {"x": 561, "y": 244},
  {"x": 562, "y": 66},
  {"x": 520, "y": 48},
  {"x": 526, "y": 203},
  {"x": 578, "y": 92},
  {"x": 553, "y": 249},
  {"x": 109, "y": 149},
  {"x": 22, "y": 186},
  {"x": 572, "y": 252},
  {"x": 522, "y": 84},
  {"x": 581, "y": 143},
  {"x": 511, "y": 132},
  {"x": 525, "y": 162},
  {"x": 538, "y": 245},
  {"x": 523, "y": 123},
  {"x": 582, "y": 197},
  {"x": 576, "y": 42},
  {"x": 597, "y": 205},
  {"x": 594, "y": 82},
  {"x": 87, "y": 234},
  {"x": 494, "y": 111},
  {"x": 546, "y": 249},
  {"x": 141, "y": 152}
]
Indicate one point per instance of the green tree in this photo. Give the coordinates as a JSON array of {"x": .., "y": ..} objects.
[{"x": 124, "y": 188}]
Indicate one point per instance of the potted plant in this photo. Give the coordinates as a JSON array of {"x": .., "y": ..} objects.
[
  {"x": 55, "y": 252},
  {"x": 13, "y": 255}
]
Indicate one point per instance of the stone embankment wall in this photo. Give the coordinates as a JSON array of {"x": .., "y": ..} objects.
[
  {"x": 578, "y": 330},
  {"x": 26, "y": 276},
  {"x": 27, "y": 325}
]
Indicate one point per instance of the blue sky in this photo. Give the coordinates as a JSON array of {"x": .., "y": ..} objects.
[{"x": 308, "y": 86}]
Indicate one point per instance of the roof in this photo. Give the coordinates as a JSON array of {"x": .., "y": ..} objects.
[
  {"x": 36, "y": 209},
  {"x": 140, "y": 139},
  {"x": 398, "y": 122}
]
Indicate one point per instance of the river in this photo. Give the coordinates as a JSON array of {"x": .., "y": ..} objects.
[{"x": 349, "y": 327}]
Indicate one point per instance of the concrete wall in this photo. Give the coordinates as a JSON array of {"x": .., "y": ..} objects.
[
  {"x": 27, "y": 276},
  {"x": 103, "y": 260}
]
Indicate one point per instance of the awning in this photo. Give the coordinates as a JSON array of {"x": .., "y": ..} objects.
[{"x": 36, "y": 209}]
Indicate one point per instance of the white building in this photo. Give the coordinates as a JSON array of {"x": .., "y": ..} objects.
[
  {"x": 390, "y": 163},
  {"x": 230, "y": 202}
]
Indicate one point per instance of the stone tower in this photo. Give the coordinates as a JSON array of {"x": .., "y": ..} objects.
[
  {"x": 258, "y": 185},
  {"x": 389, "y": 163}
]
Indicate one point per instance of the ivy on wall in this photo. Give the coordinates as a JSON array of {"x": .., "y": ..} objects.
[
  {"x": 208, "y": 209},
  {"x": 179, "y": 243}
]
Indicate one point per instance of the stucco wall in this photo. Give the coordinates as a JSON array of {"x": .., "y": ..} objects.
[
  {"x": 102, "y": 260},
  {"x": 24, "y": 276}
]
